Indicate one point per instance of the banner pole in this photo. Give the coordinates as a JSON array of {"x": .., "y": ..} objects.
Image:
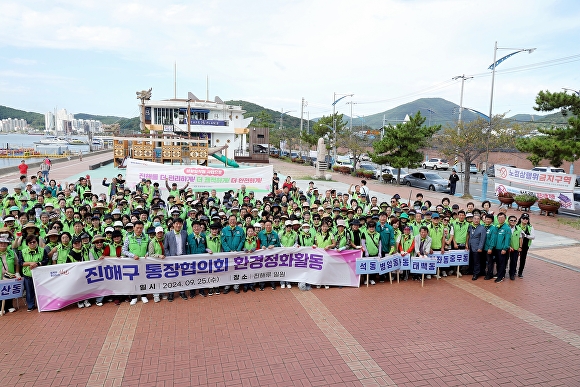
[
  {"x": 422, "y": 279},
  {"x": 457, "y": 271},
  {"x": 367, "y": 280}
]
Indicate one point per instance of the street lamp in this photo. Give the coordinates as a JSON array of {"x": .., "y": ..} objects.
[
  {"x": 492, "y": 68},
  {"x": 463, "y": 78},
  {"x": 334, "y": 119},
  {"x": 282, "y": 117},
  {"x": 572, "y": 90}
]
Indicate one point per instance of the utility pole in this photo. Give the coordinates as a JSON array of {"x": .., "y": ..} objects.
[{"x": 463, "y": 78}]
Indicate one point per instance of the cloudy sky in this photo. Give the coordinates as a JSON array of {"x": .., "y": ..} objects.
[{"x": 92, "y": 56}]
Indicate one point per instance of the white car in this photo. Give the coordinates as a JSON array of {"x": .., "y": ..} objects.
[
  {"x": 436, "y": 164},
  {"x": 393, "y": 172},
  {"x": 549, "y": 169}
]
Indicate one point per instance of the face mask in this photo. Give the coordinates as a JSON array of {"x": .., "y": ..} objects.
[{"x": 155, "y": 224}]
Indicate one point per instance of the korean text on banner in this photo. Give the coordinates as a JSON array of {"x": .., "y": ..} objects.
[
  {"x": 60, "y": 285},
  {"x": 11, "y": 288},
  {"x": 257, "y": 179},
  {"x": 549, "y": 180}
]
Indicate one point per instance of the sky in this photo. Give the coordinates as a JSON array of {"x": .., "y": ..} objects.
[{"x": 92, "y": 56}]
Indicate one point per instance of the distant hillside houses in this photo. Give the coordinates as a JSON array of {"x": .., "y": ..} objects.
[{"x": 13, "y": 124}]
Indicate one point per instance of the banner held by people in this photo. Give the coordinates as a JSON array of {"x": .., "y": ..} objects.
[{"x": 60, "y": 285}]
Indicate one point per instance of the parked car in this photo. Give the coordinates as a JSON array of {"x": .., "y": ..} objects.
[
  {"x": 473, "y": 168},
  {"x": 430, "y": 181},
  {"x": 491, "y": 169},
  {"x": 436, "y": 164},
  {"x": 369, "y": 167},
  {"x": 549, "y": 169},
  {"x": 344, "y": 161},
  {"x": 392, "y": 171}
]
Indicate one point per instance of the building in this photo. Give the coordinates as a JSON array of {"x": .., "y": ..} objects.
[{"x": 215, "y": 121}]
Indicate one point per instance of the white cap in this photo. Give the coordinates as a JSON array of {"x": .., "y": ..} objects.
[
  {"x": 159, "y": 229},
  {"x": 118, "y": 223},
  {"x": 288, "y": 223},
  {"x": 109, "y": 229}
]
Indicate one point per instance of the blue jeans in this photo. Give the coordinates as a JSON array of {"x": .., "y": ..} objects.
[{"x": 29, "y": 287}]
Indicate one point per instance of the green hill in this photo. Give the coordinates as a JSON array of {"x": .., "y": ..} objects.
[
  {"x": 35, "y": 120},
  {"x": 252, "y": 110},
  {"x": 107, "y": 120}
]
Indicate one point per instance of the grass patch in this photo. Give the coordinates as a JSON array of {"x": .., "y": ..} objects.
[{"x": 575, "y": 223}]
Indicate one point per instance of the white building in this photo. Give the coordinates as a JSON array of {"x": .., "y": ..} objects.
[{"x": 219, "y": 123}]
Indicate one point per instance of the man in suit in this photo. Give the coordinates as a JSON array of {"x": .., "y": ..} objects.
[{"x": 175, "y": 243}]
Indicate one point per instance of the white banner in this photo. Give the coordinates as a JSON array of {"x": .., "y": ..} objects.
[
  {"x": 559, "y": 181},
  {"x": 257, "y": 179},
  {"x": 566, "y": 199},
  {"x": 60, "y": 285}
]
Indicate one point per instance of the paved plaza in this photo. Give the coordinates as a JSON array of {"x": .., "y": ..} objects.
[{"x": 451, "y": 332}]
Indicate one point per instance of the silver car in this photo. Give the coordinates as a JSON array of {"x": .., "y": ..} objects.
[{"x": 430, "y": 181}]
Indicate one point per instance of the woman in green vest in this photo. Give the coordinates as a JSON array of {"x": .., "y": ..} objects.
[
  {"x": 10, "y": 268},
  {"x": 528, "y": 235},
  {"x": 60, "y": 253},
  {"x": 32, "y": 257},
  {"x": 324, "y": 240}
]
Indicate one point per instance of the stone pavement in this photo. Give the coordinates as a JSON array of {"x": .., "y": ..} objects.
[{"x": 452, "y": 332}]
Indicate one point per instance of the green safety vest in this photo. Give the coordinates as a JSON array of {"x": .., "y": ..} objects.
[
  {"x": 138, "y": 247},
  {"x": 62, "y": 253},
  {"x": 29, "y": 256},
  {"x": 372, "y": 243},
  {"x": 10, "y": 260}
]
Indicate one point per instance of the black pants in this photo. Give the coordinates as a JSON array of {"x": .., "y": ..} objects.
[
  {"x": 523, "y": 256},
  {"x": 452, "y": 188},
  {"x": 501, "y": 263},
  {"x": 513, "y": 262},
  {"x": 475, "y": 262},
  {"x": 490, "y": 260}
]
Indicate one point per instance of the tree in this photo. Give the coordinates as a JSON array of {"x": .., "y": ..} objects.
[
  {"x": 400, "y": 144},
  {"x": 323, "y": 127},
  {"x": 355, "y": 142},
  {"x": 555, "y": 144},
  {"x": 263, "y": 120},
  {"x": 469, "y": 140}
]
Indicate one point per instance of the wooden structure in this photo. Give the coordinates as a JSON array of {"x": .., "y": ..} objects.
[
  {"x": 258, "y": 151},
  {"x": 160, "y": 150}
]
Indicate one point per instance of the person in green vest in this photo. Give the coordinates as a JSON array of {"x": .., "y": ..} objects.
[
  {"x": 251, "y": 244},
  {"x": 342, "y": 236},
  {"x": 135, "y": 247},
  {"x": 305, "y": 236},
  {"x": 324, "y": 240},
  {"x": 528, "y": 235},
  {"x": 269, "y": 239},
  {"x": 288, "y": 238},
  {"x": 516, "y": 242},
  {"x": 214, "y": 245},
  {"x": 96, "y": 252},
  {"x": 406, "y": 246},
  {"x": 155, "y": 249},
  {"x": 10, "y": 268},
  {"x": 32, "y": 257}
]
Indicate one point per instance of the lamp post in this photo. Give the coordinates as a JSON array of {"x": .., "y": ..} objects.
[
  {"x": 463, "y": 78},
  {"x": 572, "y": 90},
  {"x": 334, "y": 119},
  {"x": 492, "y": 68}
]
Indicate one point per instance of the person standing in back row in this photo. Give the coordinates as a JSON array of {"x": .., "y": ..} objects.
[
  {"x": 453, "y": 179},
  {"x": 23, "y": 168}
]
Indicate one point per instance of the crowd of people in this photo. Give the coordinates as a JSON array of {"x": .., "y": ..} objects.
[{"x": 46, "y": 223}]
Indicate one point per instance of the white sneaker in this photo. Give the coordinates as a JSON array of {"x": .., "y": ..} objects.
[
  {"x": 326, "y": 287},
  {"x": 428, "y": 276},
  {"x": 437, "y": 276},
  {"x": 99, "y": 304},
  {"x": 11, "y": 310},
  {"x": 87, "y": 304},
  {"x": 283, "y": 286},
  {"x": 164, "y": 296},
  {"x": 459, "y": 274},
  {"x": 443, "y": 273},
  {"x": 289, "y": 286},
  {"x": 366, "y": 282},
  {"x": 133, "y": 301},
  {"x": 373, "y": 282},
  {"x": 80, "y": 304},
  {"x": 144, "y": 299},
  {"x": 156, "y": 299},
  {"x": 450, "y": 272},
  {"x": 317, "y": 286}
]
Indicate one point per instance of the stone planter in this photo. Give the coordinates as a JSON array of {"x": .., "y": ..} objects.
[
  {"x": 506, "y": 200},
  {"x": 524, "y": 206},
  {"x": 546, "y": 209}
]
